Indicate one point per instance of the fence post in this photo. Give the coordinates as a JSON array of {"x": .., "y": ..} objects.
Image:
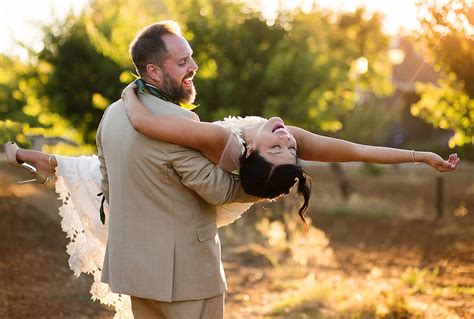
[{"x": 439, "y": 196}]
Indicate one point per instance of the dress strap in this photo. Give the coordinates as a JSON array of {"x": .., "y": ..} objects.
[{"x": 230, "y": 158}]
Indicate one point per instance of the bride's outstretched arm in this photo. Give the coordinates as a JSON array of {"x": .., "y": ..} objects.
[
  {"x": 209, "y": 138},
  {"x": 314, "y": 147}
]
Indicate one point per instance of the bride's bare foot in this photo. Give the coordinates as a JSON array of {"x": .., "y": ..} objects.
[{"x": 39, "y": 160}]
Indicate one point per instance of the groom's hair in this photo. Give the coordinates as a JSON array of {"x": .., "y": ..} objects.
[
  {"x": 148, "y": 46},
  {"x": 262, "y": 179}
]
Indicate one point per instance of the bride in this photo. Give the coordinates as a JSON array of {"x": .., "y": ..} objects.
[{"x": 263, "y": 154}]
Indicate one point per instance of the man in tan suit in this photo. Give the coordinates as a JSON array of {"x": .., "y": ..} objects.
[{"x": 163, "y": 247}]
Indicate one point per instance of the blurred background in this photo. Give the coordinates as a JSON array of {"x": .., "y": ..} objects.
[{"x": 385, "y": 242}]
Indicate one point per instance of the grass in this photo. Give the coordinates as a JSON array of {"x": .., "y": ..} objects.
[
  {"x": 419, "y": 280},
  {"x": 369, "y": 298},
  {"x": 422, "y": 281}
]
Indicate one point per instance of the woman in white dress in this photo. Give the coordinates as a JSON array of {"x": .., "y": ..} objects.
[{"x": 263, "y": 153}]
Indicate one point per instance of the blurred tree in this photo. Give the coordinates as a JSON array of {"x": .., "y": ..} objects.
[
  {"x": 79, "y": 82},
  {"x": 325, "y": 63},
  {"x": 448, "y": 32},
  {"x": 301, "y": 67},
  {"x": 23, "y": 112},
  {"x": 233, "y": 47},
  {"x": 12, "y": 117},
  {"x": 111, "y": 25}
]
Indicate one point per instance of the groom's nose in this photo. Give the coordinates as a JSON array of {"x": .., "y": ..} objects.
[{"x": 193, "y": 67}]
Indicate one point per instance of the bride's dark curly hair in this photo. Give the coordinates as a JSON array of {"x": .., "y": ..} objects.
[{"x": 262, "y": 179}]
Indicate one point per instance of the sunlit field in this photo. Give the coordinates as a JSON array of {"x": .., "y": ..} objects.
[
  {"x": 383, "y": 253},
  {"x": 361, "y": 258}
]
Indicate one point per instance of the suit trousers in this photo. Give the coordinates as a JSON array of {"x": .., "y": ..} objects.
[{"x": 211, "y": 308}]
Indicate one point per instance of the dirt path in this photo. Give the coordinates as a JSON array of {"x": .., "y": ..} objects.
[{"x": 36, "y": 281}]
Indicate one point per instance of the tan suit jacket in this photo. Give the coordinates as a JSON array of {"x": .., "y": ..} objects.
[{"x": 163, "y": 243}]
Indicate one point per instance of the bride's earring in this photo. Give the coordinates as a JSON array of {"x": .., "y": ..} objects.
[{"x": 249, "y": 150}]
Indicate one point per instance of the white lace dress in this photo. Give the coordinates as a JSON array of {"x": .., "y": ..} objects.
[{"x": 78, "y": 185}]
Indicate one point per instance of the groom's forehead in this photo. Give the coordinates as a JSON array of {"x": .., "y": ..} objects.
[{"x": 177, "y": 46}]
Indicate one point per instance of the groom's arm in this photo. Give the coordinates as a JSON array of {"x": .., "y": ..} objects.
[{"x": 209, "y": 181}]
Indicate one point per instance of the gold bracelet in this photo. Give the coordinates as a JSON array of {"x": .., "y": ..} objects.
[{"x": 413, "y": 157}]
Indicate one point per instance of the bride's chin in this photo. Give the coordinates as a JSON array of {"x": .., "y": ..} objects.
[{"x": 251, "y": 132}]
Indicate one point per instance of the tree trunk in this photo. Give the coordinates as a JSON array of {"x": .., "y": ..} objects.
[{"x": 342, "y": 181}]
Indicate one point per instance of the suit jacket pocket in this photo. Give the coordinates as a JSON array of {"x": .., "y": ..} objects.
[{"x": 207, "y": 232}]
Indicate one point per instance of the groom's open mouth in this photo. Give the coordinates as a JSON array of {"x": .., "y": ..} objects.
[{"x": 188, "y": 82}]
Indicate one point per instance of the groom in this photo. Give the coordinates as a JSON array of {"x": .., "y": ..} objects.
[{"x": 163, "y": 248}]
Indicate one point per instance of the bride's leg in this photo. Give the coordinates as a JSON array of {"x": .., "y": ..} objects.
[{"x": 40, "y": 160}]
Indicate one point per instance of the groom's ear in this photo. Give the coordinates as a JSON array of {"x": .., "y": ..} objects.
[{"x": 154, "y": 72}]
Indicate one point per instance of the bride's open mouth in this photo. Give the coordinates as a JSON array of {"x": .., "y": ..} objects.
[{"x": 279, "y": 128}]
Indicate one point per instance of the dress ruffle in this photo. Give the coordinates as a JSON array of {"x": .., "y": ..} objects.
[{"x": 78, "y": 186}]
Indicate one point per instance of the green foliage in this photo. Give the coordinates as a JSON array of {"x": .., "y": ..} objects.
[
  {"x": 448, "y": 107},
  {"x": 342, "y": 299},
  {"x": 419, "y": 279},
  {"x": 301, "y": 67},
  {"x": 80, "y": 82},
  {"x": 111, "y": 25},
  {"x": 23, "y": 111},
  {"x": 448, "y": 33},
  {"x": 12, "y": 101},
  {"x": 234, "y": 50},
  {"x": 12, "y": 131}
]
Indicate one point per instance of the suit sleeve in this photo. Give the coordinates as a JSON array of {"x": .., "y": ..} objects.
[
  {"x": 103, "y": 168},
  {"x": 209, "y": 181}
]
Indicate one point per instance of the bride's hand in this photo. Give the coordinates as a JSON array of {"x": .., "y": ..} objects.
[
  {"x": 135, "y": 110},
  {"x": 129, "y": 89},
  {"x": 435, "y": 161}
]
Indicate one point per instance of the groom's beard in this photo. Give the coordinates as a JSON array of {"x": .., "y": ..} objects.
[{"x": 176, "y": 91}]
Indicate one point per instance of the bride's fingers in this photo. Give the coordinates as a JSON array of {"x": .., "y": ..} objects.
[
  {"x": 131, "y": 86},
  {"x": 453, "y": 158},
  {"x": 456, "y": 163},
  {"x": 450, "y": 164}
]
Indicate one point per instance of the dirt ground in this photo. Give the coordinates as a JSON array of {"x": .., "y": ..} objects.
[
  {"x": 35, "y": 280},
  {"x": 359, "y": 246}
]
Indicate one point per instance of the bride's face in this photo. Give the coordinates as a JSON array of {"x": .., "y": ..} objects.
[{"x": 274, "y": 142}]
